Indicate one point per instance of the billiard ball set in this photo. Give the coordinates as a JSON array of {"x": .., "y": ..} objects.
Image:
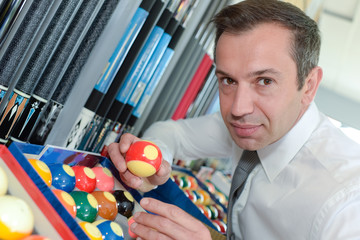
[
  {"x": 89, "y": 196},
  {"x": 203, "y": 196},
  {"x": 85, "y": 192},
  {"x": 93, "y": 202}
]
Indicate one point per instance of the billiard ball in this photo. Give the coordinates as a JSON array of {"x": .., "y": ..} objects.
[
  {"x": 125, "y": 202},
  {"x": 220, "y": 210},
  {"x": 221, "y": 198},
  {"x": 42, "y": 169},
  {"x": 4, "y": 184},
  {"x": 191, "y": 195},
  {"x": 110, "y": 230},
  {"x": 185, "y": 182},
  {"x": 210, "y": 186},
  {"x": 220, "y": 225},
  {"x": 199, "y": 197},
  {"x": 63, "y": 177},
  {"x": 86, "y": 206},
  {"x": 131, "y": 221},
  {"x": 67, "y": 201},
  {"x": 205, "y": 196},
  {"x": 143, "y": 158},
  {"x": 16, "y": 218},
  {"x": 214, "y": 211},
  {"x": 107, "y": 206},
  {"x": 85, "y": 178},
  {"x": 204, "y": 210},
  {"x": 104, "y": 179},
  {"x": 91, "y": 230},
  {"x": 193, "y": 184}
]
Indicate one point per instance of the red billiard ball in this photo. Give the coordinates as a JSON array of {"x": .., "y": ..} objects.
[
  {"x": 42, "y": 169},
  {"x": 220, "y": 225},
  {"x": 107, "y": 206},
  {"x": 104, "y": 179},
  {"x": 85, "y": 178},
  {"x": 131, "y": 221},
  {"x": 67, "y": 201},
  {"x": 63, "y": 177},
  {"x": 143, "y": 158}
]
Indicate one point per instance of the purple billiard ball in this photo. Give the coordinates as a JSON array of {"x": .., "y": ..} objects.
[{"x": 63, "y": 177}]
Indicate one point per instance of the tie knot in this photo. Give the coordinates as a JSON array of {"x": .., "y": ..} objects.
[{"x": 248, "y": 160}]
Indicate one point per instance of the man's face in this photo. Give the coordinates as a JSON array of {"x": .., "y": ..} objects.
[{"x": 259, "y": 97}]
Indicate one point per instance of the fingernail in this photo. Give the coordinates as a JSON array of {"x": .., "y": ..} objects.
[
  {"x": 133, "y": 226},
  {"x": 144, "y": 201}
]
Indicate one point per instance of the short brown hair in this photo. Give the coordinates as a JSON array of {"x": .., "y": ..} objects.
[{"x": 247, "y": 14}]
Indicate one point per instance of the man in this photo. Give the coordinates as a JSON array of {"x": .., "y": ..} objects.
[{"x": 307, "y": 184}]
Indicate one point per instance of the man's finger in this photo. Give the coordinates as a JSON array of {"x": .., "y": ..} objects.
[
  {"x": 172, "y": 212},
  {"x": 116, "y": 157}
]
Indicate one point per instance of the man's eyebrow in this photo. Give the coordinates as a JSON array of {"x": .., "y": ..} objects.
[
  {"x": 252, "y": 74},
  {"x": 264, "y": 71}
]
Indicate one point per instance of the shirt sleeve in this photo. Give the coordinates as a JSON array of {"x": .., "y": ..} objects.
[
  {"x": 340, "y": 216},
  {"x": 189, "y": 139}
]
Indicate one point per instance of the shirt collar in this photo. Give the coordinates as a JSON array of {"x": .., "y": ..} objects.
[{"x": 275, "y": 157}]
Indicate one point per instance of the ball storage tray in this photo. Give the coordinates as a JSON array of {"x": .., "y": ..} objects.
[{"x": 51, "y": 217}]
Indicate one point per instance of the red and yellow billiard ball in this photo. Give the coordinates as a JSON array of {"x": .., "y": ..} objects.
[
  {"x": 104, "y": 179},
  {"x": 125, "y": 202},
  {"x": 16, "y": 218},
  {"x": 85, "y": 178},
  {"x": 143, "y": 158},
  {"x": 91, "y": 230},
  {"x": 107, "y": 206},
  {"x": 42, "y": 169},
  {"x": 110, "y": 230},
  {"x": 86, "y": 206},
  {"x": 67, "y": 201},
  {"x": 63, "y": 177},
  {"x": 220, "y": 225}
]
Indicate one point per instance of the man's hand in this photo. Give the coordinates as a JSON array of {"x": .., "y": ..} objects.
[
  {"x": 169, "y": 222},
  {"x": 117, "y": 153}
]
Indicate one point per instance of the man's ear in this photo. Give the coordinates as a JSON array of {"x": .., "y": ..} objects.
[{"x": 311, "y": 85}]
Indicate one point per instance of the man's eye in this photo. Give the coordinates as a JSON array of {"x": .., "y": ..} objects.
[
  {"x": 227, "y": 81},
  {"x": 265, "y": 81}
]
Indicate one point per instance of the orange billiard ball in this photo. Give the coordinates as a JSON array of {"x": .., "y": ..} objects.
[
  {"x": 67, "y": 201},
  {"x": 42, "y": 169},
  {"x": 107, "y": 205},
  {"x": 143, "y": 158}
]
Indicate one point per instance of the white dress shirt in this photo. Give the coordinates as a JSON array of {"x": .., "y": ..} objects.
[{"x": 307, "y": 186}]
